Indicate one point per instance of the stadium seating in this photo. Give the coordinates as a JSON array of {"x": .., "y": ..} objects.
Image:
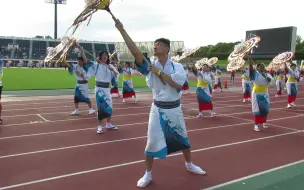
[{"x": 35, "y": 48}]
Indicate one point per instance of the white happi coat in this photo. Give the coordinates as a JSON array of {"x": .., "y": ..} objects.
[{"x": 157, "y": 139}]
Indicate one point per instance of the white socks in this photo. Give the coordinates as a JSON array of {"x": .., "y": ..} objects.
[
  {"x": 194, "y": 169},
  {"x": 188, "y": 164},
  {"x": 145, "y": 180},
  {"x": 99, "y": 129}
]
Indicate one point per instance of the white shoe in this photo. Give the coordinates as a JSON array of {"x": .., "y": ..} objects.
[
  {"x": 256, "y": 128},
  {"x": 144, "y": 181},
  {"x": 76, "y": 112},
  {"x": 123, "y": 100},
  {"x": 293, "y": 104},
  {"x": 99, "y": 130},
  {"x": 91, "y": 111},
  {"x": 244, "y": 100},
  {"x": 110, "y": 126},
  {"x": 288, "y": 106},
  {"x": 265, "y": 125},
  {"x": 212, "y": 114},
  {"x": 200, "y": 114},
  {"x": 195, "y": 169}
]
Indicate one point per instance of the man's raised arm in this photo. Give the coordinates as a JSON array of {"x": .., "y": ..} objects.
[{"x": 129, "y": 42}]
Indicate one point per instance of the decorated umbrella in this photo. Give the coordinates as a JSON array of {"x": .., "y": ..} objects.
[
  {"x": 60, "y": 51},
  {"x": 245, "y": 47},
  {"x": 279, "y": 61},
  {"x": 187, "y": 53},
  {"x": 235, "y": 64},
  {"x": 212, "y": 61},
  {"x": 69, "y": 40},
  {"x": 283, "y": 57},
  {"x": 200, "y": 63}
]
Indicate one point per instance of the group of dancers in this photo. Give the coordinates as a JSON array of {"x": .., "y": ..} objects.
[
  {"x": 83, "y": 74},
  {"x": 167, "y": 131},
  {"x": 255, "y": 84}
]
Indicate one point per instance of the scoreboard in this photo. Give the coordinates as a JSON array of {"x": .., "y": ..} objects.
[{"x": 274, "y": 41}]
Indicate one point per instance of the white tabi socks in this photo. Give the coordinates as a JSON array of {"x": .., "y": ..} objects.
[
  {"x": 99, "y": 129},
  {"x": 91, "y": 111},
  {"x": 194, "y": 169},
  {"x": 145, "y": 180}
]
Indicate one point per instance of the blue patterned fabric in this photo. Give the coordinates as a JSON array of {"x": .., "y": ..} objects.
[
  {"x": 126, "y": 88},
  {"x": 174, "y": 140},
  {"x": 202, "y": 96},
  {"x": 293, "y": 89},
  {"x": 104, "y": 109},
  {"x": 263, "y": 104},
  {"x": 88, "y": 65},
  {"x": 247, "y": 88},
  {"x": 113, "y": 81},
  {"x": 79, "y": 97},
  {"x": 143, "y": 68}
]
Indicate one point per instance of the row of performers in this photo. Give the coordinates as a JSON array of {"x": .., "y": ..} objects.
[
  {"x": 288, "y": 77},
  {"x": 215, "y": 74},
  {"x": 128, "y": 89},
  {"x": 259, "y": 77},
  {"x": 255, "y": 84}
]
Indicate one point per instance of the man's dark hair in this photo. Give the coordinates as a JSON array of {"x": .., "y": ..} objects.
[
  {"x": 163, "y": 40},
  {"x": 260, "y": 64}
]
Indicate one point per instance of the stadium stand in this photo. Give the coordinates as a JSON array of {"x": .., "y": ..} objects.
[
  {"x": 30, "y": 52},
  {"x": 20, "y": 52}
]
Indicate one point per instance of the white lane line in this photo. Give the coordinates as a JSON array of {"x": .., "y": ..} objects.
[
  {"x": 120, "y": 140},
  {"x": 140, "y": 107},
  {"x": 77, "y": 119},
  {"x": 42, "y": 118},
  {"x": 66, "y": 131},
  {"x": 253, "y": 175},
  {"x": 293, "y": 129},
  {"x": 138, "y": 161},
  {"x": 129, "y": 124}
]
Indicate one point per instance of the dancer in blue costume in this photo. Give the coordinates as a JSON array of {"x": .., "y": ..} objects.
[{"x": 166, "y": 129}]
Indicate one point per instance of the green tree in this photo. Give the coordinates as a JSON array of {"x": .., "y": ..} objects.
[{"x": 299, "y": 45}]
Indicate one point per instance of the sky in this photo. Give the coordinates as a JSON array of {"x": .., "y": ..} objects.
[{"x": 196, "y": 22}]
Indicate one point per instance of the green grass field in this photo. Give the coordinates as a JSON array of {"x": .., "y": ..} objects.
[{"x": 50, "y": 79}]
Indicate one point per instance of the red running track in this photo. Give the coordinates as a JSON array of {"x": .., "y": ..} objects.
[{"x": 43, "y": 147}]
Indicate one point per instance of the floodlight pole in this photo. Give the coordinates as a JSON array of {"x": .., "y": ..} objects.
[
  {"x": 55, "y": 2},
  {"x": 55, "y": 21}
]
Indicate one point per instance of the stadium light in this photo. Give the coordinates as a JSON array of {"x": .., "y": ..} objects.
[{"x": 55, "y": 2}]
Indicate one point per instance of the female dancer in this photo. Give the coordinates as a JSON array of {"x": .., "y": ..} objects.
[
  {"x": 102, "y": 71},
  {"x": 186, "y": 85},
  {"x": 293, "y": 77},
  {"x": 279, "y": 82},
  {"x": 212, "y": 78},
  {"x": 203, "y": 94},
  {"x": 260, "y": 96},
  {"x": 114, "y": 81},
  {"x": 82, "y": 86},
  {"x": 246, "y": 85},
  {"x": 128, "y": 91},
  {"x": 218, "y": 83}
]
